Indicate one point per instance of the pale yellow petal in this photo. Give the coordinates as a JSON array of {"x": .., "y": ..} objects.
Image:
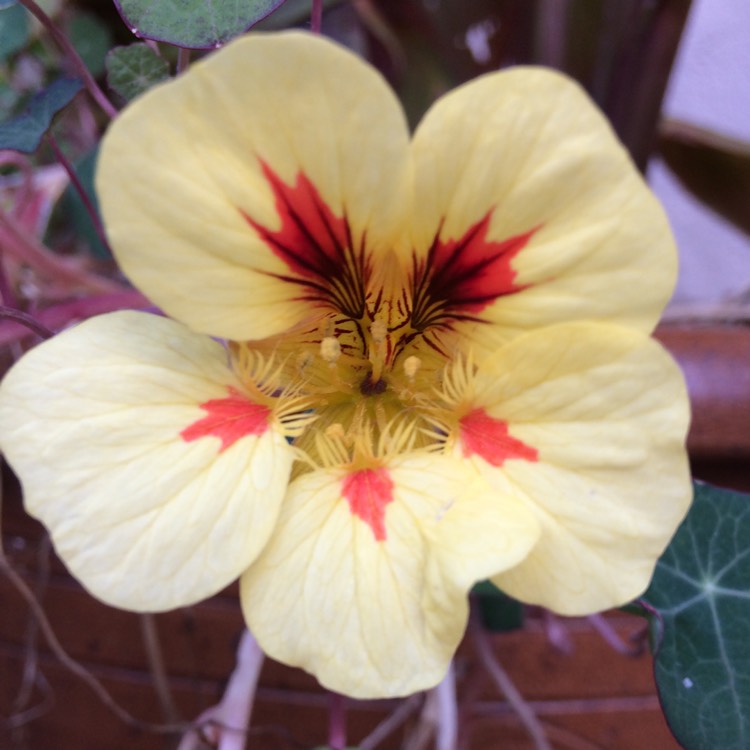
[
  {"x": 255, "y": 184},
  {"x": 108, "y": 427},
  {"x": 605, "y": 412},
  {"x": 370, "y": 594},
  {"x": 520, "y": 167}
]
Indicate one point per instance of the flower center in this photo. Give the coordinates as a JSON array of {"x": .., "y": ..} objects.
[
  {"x": 366, "y": 379},
  {"x": 370, "y": 387}
]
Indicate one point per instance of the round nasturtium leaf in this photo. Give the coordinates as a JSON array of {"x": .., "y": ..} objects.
[
  {"x": 134, "y": 69},
  {"x": 700, "y": 623},
  {"x": 91, "y": 39},
  {"x": 195, "y": 24},
  {"x": 14, "y": 29}
]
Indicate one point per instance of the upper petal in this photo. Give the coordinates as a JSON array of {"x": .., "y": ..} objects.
[
  {"x": 158, "y": 477},
  {"x": 257, "y": 183},
  {"x": 365, "y": 582},
  {"x": 594, "y": 419},
  {"x": 530, "y": 211}
]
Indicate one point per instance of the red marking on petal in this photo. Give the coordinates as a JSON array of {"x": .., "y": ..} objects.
[
  {"x": 368, "y": 491},
  {"x": 229, "y": 419},
  {"x": 315, "y": 244},
  {"x": 488, "y": 437},
  {"x": 461, "y": 277}
]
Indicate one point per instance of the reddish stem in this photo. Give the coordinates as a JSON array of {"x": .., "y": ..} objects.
[
  {"x": 59, "y": 316},
  {"x": 337, "y": 722},
  {"x": 316, "y": 16},
  {"x": 183, "y": 60},
  {"x": 27, "y": 249},
  {"x": 78, "y": 186},
  {"x": 75, "y": 59},
  {"x": 8, "y": 313}
]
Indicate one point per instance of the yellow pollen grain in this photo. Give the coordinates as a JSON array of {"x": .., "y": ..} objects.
[
  {"x": 330, "y": 349},
  {"x": 411, "y": 366}
]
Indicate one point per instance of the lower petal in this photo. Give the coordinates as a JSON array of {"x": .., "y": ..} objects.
[
  {"x": 155, "y": 498},
  {"x": 378, "y": 610},
  {"x": 596, "y": 421}
]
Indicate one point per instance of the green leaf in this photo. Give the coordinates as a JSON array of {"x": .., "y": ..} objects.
[
  {"x": 497, "y": 611},
  {"x": 134, "y": 69},
  {"x": 9, "y": 97},
  {"x": 700, "y": 623},
  {"x": 91, "y": 39},
  {"x": 14, "y": 30},
  {"x": 23, "y": 133},
  {"x": 291, "y": 13},
  {"x": 196, "y": 24},
  {"x": 716, "y": 169}
]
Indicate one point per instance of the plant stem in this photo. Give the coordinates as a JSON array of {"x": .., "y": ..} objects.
[
  {"x": 78, "y": 186},
  {"x": 31, "y": 666},
  {"x": 8, "y": 313},
  {"x": 551, "y": 33},
  {"x": 337, "y": 722},
  {"x": 316, "y": 16},
  {"x": 57, "y": 317},
  {"x": 68, "y": 662},
  {"x": 447, "y": 712},
  {"x": 224, "y": 726},
  {"x": 506, "y": 686},
  {"x": 75, "y": 59},
  {"x": 27, "y": 249},
  {"x": 392, "y": 722},
  {"x": 609, "y": 634},
  {"x": 183, "y": 60},
  {"x": 438, "y": 719},
  {"x": 156, "y": 666}
]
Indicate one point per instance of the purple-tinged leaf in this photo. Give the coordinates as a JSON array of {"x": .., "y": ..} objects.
[
  {"x": 24, "y": 132},
  {"x": 194, "y": 24}
]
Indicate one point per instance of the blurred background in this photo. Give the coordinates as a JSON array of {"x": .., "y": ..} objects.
[{"x": 710, "y": 86}]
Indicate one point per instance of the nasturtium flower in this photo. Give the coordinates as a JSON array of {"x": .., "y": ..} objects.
[{"x": 391, "y": 366}]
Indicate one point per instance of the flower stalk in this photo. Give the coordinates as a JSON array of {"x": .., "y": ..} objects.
[{"x": 75, "y": 59}]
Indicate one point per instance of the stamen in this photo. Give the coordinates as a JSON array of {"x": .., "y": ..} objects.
[
  {"x": 397, "y": 437},
  {"x": 378, "y": 331},
  {"x": 330, "y": 349},
  {"x": 304, "y": 360},
  {"x": 378, "y": 335},
  {"x": 330, "y": 450},
  {"x": 411, "y": 367},
  {"x": 336, "y": 431},
  {"x": 458, "y": 382}
]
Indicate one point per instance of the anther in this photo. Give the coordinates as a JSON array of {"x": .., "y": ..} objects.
[
  {"x": 330, "y": 349},
  {"x": 411, "y": 366}
]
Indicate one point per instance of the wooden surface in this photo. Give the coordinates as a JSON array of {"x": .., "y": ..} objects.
[
  {"x": 588, "y": 697},
  {"x": 716, "y": 362}
]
